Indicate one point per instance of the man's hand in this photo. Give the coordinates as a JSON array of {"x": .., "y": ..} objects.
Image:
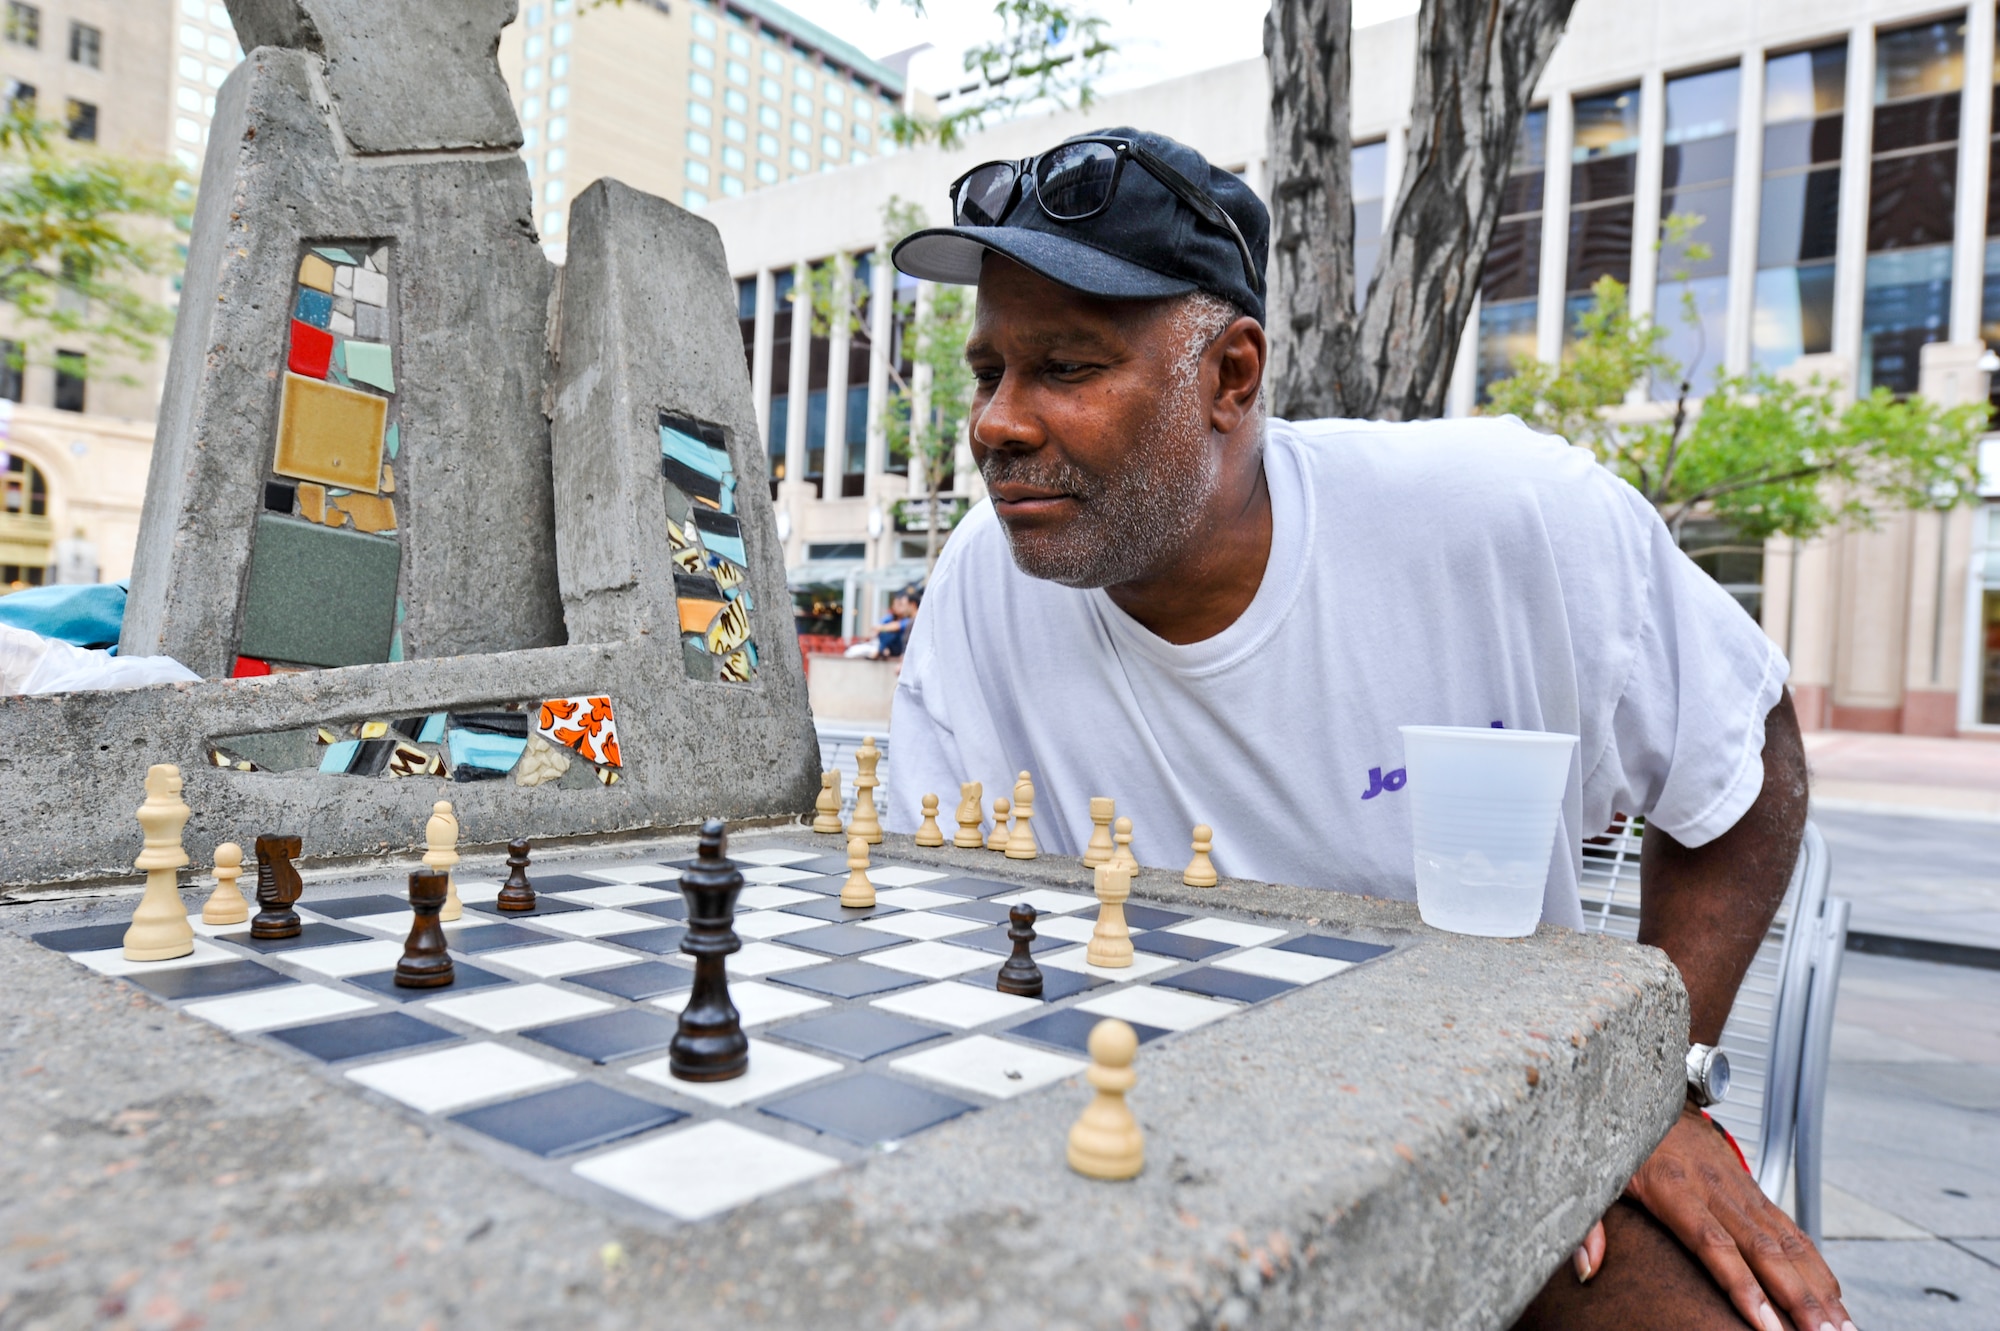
[{"x": 1695, "y": 1186}]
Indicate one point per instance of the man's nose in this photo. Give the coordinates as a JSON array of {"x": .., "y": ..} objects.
[{"x": 1003, "y": 424}]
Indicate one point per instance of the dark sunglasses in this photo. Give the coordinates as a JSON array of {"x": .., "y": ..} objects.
[{"x": 1076, "y": 181}]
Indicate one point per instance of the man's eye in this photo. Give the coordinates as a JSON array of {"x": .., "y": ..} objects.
[
  {"x": 1066, "y": 367},
  {"x": 986, "y": 376}
]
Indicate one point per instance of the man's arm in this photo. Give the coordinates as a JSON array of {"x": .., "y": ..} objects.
[{"x": 1708, "y": 908}]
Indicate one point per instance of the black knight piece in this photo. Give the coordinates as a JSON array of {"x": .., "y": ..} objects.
[
  {"x": 1021, "y": 975},
  {"x": 710, "y": 1044},
  {"x": 278, "y": 886},
  {"x": 425, "y": 964},
  {"x": 517, "y": 893}
]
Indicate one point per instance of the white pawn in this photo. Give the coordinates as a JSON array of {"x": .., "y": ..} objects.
[
  {"x": 1111, "y": 939},
  {"x": 225, "y": 905},
  {"x": 160, "y": 930},
  {"x": 1123, "y": 857},
  {"x": 857, "y": 893},
  {"x": 1105, "y": 1142},
  {"x": 1021, "y": 841},
  {"x": 1201, "y": 870},
  {"x": 970, "y": 816},
  {"x": 1100, "y": 850},
  {"x": 441, "y": 836},
  {"x": 929, "y": 833},
  {"x": 997, "y": 838}
]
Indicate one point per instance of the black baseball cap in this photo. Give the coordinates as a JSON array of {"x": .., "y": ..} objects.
[{"x": 1145, "y": 244}]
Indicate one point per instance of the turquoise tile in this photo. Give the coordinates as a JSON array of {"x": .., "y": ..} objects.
[
  {"x": 313, "y": 307},
  {"x": 729, "y": 494},
  {"x": 477, "y": 748},
  {"x": 338, "y": 256},
  {"x": 319, "y": 596},
  {"x": 392, "y": 439},
  {"x": 396, "y": 645},
  {"x": 729, "y": 547},
  {"x": 689, "y": 451},
  {"x": 339, "y": 757},
  {"x": 370, "y": 363},
  {"x": 433, "y": 731}
]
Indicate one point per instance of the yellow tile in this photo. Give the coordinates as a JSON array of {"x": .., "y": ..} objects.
[
  {"x": 312, "y": 502},
  {"x": 374, "y": 729},
  {"x": 388, "y": 478},
  {"x": 330, "y": 434},
  {"x": 316, "y": 273},
  {"x": 696, "y": 616},
  {"x": 370, "y": 512}
]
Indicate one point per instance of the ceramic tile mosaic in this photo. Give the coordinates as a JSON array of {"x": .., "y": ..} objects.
[
  {"x": 584, "y": 724},
  {"x": 329, "y": 434},
  {"x": 319, "y": 597},
  {"x": 709, "y": 559}
]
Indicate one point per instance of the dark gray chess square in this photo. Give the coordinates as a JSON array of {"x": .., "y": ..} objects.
[
  {"x": 673, "y": 908},
  {"x": 1069, "y": 1028},
  {"x": 224, "y": 977},
  {"x": 488, "y": 937},
  {"x": 992, "y": 912},
  {"x": 568, "y": 1119},
  {"x": 558, "y": 882},
  {"x": 359, "y": 1037},
  {"x": 826, "y": 864},
  {"x": 974, "y": 887},
  {"x": 346, "y": 908},
  {"x": 831, "y": 909},
  {"x": 868, "y": 1108},
  {"x": 463, "y": 978},
  {"x": 1056, "y": 984},
  {"x": 311, "y": 934},
  {"x": 1152, "y": 917},
  {"x": 648, "y": 979},
  {"x": 662, "y": 942},
  {"x": 84, "y": 937},
  {"x": 609, "y": 1035},
  {"x": 860, "y": 1034},
  {"x": 847, "y": 979},
  {"x": 1336, "y": 949},
  {"x": 842, "y": 940},
  {"x": 1226, "y": 984},
  {"x": 1187, "y": 948},
  {"x": 543, "y": 905},
  {"x": 995, "y": 939}
]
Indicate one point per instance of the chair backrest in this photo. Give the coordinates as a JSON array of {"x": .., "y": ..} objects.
[
  {"x": 837, "y": 747},
  {"x": 1765, "y": 1032}
]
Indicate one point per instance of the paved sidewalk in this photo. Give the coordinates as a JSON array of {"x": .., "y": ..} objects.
[
  {"x": 1885, "y": 773},
  {"x": 1914, "y": 876}
]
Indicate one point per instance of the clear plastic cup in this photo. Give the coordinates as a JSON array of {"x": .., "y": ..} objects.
[{"x": 1484, "y": 812}]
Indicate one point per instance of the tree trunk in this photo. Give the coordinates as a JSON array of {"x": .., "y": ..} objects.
[{"x": 1477, "y": 65}]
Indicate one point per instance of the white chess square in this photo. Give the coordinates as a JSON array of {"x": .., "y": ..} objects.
[
  {"x": 623, "y": 894},
  {"x": 896, "y": 876},
  {"x": 463, "y": 1075},
  {"x": 1293, "y": 967},
  {"x": 769, "y": 959},
  {"x": 1048, "y": 902},
  {"x": 773, "y": 924},
  {"x": 597, "y": 923},
  {"x": 955, "y": 1004},
  {"x": 473, "y": 891},
  {"x": 763, "y": 896},
  {"x": 344, "y": 959},
  {"x": 1227, "y": 931},
  {"x": 755, "y": 1003},
  {"x": 775, "y": 858},
  {"x": 510, "y": 1007},
  {"x": 773, "y": 1068},
  {"x": 1070, "y": 928},
  {"x": 982, "y": 1064},
  {"x": 111, "y": 960},
  {"x": 934, "y": 961},
  {"x": 705, "y": 1169},
  {"x": 913, "y": 898},
  {"x": 920, "y": 924},
  {"x": 547, "y": 960},
  {"x": 631, "y": 873},
  {"x": 1149, "y": 1005},
  {"x": 285, "y": 1005},
  {"x": 773, "y": 875},
  {"x": 1143, "y": 963},
  {"x": 203, "y": 929}
]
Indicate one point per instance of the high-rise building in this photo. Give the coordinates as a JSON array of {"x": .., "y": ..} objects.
[{"x": 691, "y": 100}]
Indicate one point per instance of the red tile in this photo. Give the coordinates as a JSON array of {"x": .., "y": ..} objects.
[
  {"x": 312, "y": 350},
  {"x": 248, "y": 666}
]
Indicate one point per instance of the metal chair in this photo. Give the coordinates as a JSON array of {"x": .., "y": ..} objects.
[
  {"x": 1780, "y": 1030},
  {"x": 837, "y": 747}
]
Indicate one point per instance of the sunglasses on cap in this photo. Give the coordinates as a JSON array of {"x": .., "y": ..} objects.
[{"x": 1076, "y": 181}]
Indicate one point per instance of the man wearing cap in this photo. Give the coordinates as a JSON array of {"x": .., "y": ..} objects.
[{"x": 1221, "y": 618}]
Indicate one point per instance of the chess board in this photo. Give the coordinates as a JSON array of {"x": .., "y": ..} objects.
[{"x": 866, "y": 1026}]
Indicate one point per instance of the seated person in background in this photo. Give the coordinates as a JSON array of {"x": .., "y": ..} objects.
[
  {"x": 893, "y": 633},
  {"x": 1221, "y": 619}
]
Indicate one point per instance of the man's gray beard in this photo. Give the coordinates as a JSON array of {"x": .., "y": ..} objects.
[{"x": 1131, "y": 523}]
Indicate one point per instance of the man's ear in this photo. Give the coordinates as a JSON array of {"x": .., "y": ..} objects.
[{"x": 1238, "y": 357}]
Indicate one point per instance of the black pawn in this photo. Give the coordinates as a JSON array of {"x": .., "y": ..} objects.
[
  {"x": 425, "y": 963},
  {"x": 517, "y": 893},
  {"x": 278, "y": 886},
  {"x": 1021, "y": 975},
  {"x": 709, "y": 1044}
]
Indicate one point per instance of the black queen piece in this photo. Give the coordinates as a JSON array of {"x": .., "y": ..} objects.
[{"x": 709, "y": 1044}]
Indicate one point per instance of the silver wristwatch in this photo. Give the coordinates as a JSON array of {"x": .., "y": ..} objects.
[{"x": 1707, "y": 1074}]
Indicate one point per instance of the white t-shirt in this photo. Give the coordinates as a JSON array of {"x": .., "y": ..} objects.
[{"x": 1461, "y": 572}]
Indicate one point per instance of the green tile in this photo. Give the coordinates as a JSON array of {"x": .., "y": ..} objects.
[
  {"x": 370, "y": 363},
  {"x": 393, "y": 440},
  {"x": 319, "y": 596}
]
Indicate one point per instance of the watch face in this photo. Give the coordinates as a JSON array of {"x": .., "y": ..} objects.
[{"x": 1718, "y": 1076}]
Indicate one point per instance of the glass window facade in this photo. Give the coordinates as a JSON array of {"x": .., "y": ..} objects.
[
  {"x": 1798, "y": 222},
  {"x": 1371, "y": 174},
  {"x": 1697, "y": 187},
  {"x": 1513, "y": 273},
  {"x": 1603, "y": 179},
  {"x": 781, "y": 372}
]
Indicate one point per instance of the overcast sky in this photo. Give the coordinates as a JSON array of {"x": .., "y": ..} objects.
[{"x": 1158, "y": 39}]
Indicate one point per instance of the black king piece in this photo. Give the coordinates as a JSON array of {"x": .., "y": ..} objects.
[{"x": 710, "y": 1045}]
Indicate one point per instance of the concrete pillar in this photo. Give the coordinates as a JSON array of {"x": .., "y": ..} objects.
[
  {"x": 1459, "y": 397},
  {"x": 1968, "y": 251},
  {"x": 796, "y": 491},
  {"x": 1802, "y": 583},
  {"x": 839, "y": 337},
  {"x": 1941, "y": 541},
  {"x": 1746, "y": 202},
  {"x": 1850, "y": 267},
  {"x": 761, "y": 336},
  {"x": 1646, "y": 207},
  {"x": 1555, "y": 228}
]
